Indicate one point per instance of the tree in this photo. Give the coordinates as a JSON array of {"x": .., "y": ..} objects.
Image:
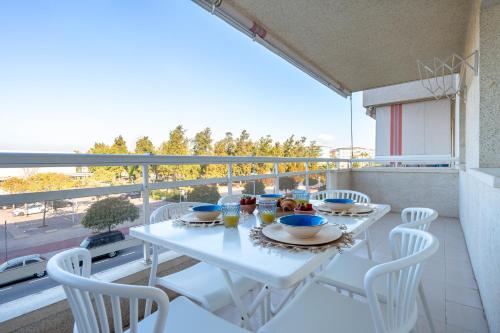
[
  {"x": 144, "y": 145},
  {"x": 107, "y": 174},
  {"x": 249, "y": 188},
  {"x": 204, "y": 193},
  {"x": 264, "y": 147},
  {"x": 177, "y": 144},
  {"x": 223, "y": 147},
  {"x": 243, "y": 146},
  {"x": 287, "y": 184},
  {"x": 202, "y": 145},
  {"x": 119, "y": 146},
  {"x": 107, "y": 213}
]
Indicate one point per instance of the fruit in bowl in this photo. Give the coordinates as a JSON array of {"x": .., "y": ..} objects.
[
  {"x": 248, "y": 204},
  {"x": 304, "y": 208}
]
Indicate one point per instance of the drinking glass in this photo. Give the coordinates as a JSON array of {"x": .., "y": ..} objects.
[
  {"x": 300, "y": 196},
  {"x": 231, "y": 214},
  {"x": 267, "y": 211}
]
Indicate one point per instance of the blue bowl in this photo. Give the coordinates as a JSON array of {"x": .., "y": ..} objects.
[
  {"x": 302, "y": 226},
  {"x": 207, "y": 208},
  {"x": 340, "y": 201},
  {"x": 301, "y": 220},
  {"x": 207, "y": 212},
  {"x": 271, "y": 196}
]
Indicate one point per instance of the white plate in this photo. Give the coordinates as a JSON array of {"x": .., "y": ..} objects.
[
  {"x": 327, "y": 234},
  {"x": 192, "y": 218},
  {"x": 358, "y": 209}
]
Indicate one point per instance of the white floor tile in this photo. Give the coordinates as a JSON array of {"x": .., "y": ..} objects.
[{"x": 465, "y": 317}]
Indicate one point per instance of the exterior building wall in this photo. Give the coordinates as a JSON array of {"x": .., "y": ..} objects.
[
  {"x": 480, "y": 201},
  {"x": 425, "y": 129},
  {"x": 435, "y": 188}
]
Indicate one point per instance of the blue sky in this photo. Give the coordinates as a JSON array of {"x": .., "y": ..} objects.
[{"x": 76, "y": 72}]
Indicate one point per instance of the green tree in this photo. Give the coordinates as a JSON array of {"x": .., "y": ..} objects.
[
  {"x": 243, "y": 146},
  {"x": 107, "y": 174},
  {"x": 177, "y": 144},
  {"x": 204, "y": 193},
  {"x": 144, "y": 145},
  {"x": 249, "y": 188},
  {"x": 119, "y": 146},
  {"x": 202, "y": 145},
  {"x": 107, "y": 213},
  {"x": 287, "y": 184},
  {"x": 264, "y": 147},
  {"x": 14, "y": 185},
  {"x": 223, "y": 147}
]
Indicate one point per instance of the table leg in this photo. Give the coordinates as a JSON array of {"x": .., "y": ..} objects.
[{"x": 237, "y": 300}]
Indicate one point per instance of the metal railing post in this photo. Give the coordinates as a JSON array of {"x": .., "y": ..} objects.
[
  {"x": 276, "y": 178},
  {"x": 230, "y": 178},
  {"x": 145, "y": 210},
  {"x": 328, "y": 176},
  {"x": 307, "y": 176}
]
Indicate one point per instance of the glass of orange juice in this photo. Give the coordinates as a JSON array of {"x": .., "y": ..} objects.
[
  {"x": 231, "y": 214},
  {"x": 267, "y": 211}
]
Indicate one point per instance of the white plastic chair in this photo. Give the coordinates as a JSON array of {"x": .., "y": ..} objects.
[
  {"x": 346, "y": 271},
  {"x": 81, "y": 291},
  {"x": 202, "y": 282},
  {"x": 355, "y": 196},
  {"x": 319, "y": 308},
  {"x": 229, "y": 199},
  {"x": 341, "y": 194}
]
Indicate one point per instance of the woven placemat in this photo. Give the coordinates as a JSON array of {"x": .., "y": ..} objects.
[
  {"x": 347, "y": 213},
  {"x": 345, "y": 241}
]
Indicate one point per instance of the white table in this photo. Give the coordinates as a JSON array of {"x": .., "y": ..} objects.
[{"x": 233, "y": 251}]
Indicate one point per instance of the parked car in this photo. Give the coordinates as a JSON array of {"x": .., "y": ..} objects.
[
  {"x": 131, "y": 195},
  {"x": 34, "y": 208},
  {"x": 103, "y": 239},
  {"x": 26, "y": 266}
]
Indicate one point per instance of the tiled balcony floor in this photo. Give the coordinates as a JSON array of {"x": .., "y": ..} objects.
[{"x": 448, "y": 279}]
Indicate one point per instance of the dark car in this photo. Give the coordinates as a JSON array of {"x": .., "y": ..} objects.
[
  {"x": 102, "y": 239},
  {"x": 132, "y": 195}
]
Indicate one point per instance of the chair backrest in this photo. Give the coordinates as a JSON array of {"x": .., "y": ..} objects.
[
  {"x": 71, "y": 268},
  {"x": 172, "y": 211},
  {"x": 418, "y": 218},
  {"x": 341, "y": 194},
  {"x": 229, "y": 199},
  {"x": 399, "y": 313}
]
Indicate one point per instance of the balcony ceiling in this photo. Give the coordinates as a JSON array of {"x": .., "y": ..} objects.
[{"x": 359, "y": 44}]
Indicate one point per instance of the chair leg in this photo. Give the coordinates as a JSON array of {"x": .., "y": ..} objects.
[
  {"x": 368, "y": 245},
  {"x": 425, "y": 305}
]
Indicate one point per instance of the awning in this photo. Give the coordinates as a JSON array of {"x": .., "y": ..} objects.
[{"x": 352, "y": 45}]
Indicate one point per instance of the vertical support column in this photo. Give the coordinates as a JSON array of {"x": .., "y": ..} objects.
[
  {"x": 328, "y": 176},
  {"x": 276, "y": 178},
  {"x": 307, "y": 176},
  {"x": 229, "y": 178},
  {"x": 145, "y": 210}
]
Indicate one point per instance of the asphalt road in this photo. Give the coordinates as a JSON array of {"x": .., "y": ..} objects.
[{"x": 27, "y": 287}]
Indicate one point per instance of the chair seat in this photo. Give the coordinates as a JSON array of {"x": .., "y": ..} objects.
[
  {"x": 318, "y": 308},
  {"x": 205, "y": 284},
  {"x": 347, "y": 271},
  {"x": 186, "y": 317}
]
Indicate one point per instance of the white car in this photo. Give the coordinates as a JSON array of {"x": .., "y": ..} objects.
[
  {"x": 34, "y": 208},
  {"x": 22, "y": 267}
]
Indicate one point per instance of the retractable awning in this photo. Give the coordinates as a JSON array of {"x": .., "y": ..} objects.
[{"x": 352, "y": 45}]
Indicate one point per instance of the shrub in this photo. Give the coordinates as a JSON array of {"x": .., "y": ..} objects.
[
  {"x": 204, "y": 193},
  {"x": 259, "y": 188},
  {"x": 107, "y": 213},
  {"x": 287, "y": 184},
  {"x": 313, "y": 181}
]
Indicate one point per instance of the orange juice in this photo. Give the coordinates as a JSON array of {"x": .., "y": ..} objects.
[
  {"x": 231, "y": 221},
  {"x": 267, "y": 217}
]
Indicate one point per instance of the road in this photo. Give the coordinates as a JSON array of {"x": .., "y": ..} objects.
[{"x": 35, "y": 285}]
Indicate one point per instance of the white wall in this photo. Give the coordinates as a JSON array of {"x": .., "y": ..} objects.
[
  {"x": 426, "y": 128},
  {"x": 435, "y": 188}
]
